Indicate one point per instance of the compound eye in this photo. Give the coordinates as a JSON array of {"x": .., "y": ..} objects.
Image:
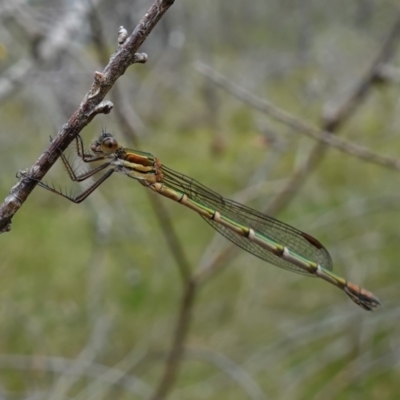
[{"x": 109, "y": 145}]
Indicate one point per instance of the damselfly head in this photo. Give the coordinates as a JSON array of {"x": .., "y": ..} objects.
[{"x": 105, "y": 144}]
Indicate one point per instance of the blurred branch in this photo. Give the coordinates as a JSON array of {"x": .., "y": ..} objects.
[
  {"x": 14, "y": 77},
  {"x": 88, "y": 109},
  {"x": 297, "y": 124},
  {"x": 103, "y": 222},
  {"x": 172, "y": 239},
  {"x": 59, "y": 38},
  {"x": 366, "y": 364},
  {"x": 296, "y": 334},
  {"x": 237, "y": 373},
  {"x": 293, "y": 184},
  {"x": 174, "y": 357},
  {"x": 46, "y": 48},
  {"x": 332, "y": 121},
  {"x": 93, "y": 370},
  {"x": 120, "y": 372},
  {"x": 216, "y": 263},
  {"x": 333, "y": 352},
  {"x": 334, "y": 118},
  {"x": 389, "y": 73},
  {"x": 95, "y": 345}
]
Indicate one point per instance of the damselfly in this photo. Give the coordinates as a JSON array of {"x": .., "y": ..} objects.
[{"x": 259, "y": 234}]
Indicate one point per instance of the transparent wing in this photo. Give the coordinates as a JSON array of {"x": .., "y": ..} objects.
[{"x": 292, "y": 238}]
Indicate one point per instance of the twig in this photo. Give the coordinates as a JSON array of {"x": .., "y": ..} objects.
[
  {"x": 71, "y": 22},
  {"x": 129, "y": 122},
  {"x": 88, "y": 109},
  {"x": 118, "y": 373},
  {"x": 170, "y": 236},
  {"x": 297, "y": 124},
  {"x": 93, "y": 370},
  {"x": 87, "y": 356},
  {"x": 335, "y": 118},
  {"x": 356, "y": 370},
  {"x": 294, "y": 377},
  {"x": 297, "y": 178},
  {"x": 332, "y": 121},
  {"x": 175, "y": 355},
  {"x": 45, "y": 48},
  {"x": 13, "y": 77},
  {"x": 236, "y": 372},
  {"x": 214, "y": 264},
  {"x": 97, "y": 261},
  {"x": 389, "y": 72}
]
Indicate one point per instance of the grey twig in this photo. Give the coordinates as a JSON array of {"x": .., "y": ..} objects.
[
  {"x": 236, "y": 372},
  {"x": 89, "y": 369},
  {"x": 47, "y": 47},
  {"x": 128, "y": 120},
  {"x": 114, "y": 375},
  {"x": 87, "y": 356},
  {"x": 336, "y": 117},
  {"x": 171, "y": 237},
  {"x": 297, "y": 124},
  {"x": 332, "y": 121},
  {"x": 174, "y": 357}
]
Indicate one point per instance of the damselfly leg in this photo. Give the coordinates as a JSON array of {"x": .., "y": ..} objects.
[{"x": 80, "y": 177}]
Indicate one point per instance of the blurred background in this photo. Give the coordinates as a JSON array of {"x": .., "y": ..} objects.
[{"x": 90, "y": 293}]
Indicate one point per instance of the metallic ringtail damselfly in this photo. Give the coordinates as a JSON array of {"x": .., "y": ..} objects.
[{"x": 259, "y": 234}]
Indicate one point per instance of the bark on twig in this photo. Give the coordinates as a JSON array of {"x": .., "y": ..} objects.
[
  {"x": 129, "y": 122},
  {"x": 89, "y": 107}
]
